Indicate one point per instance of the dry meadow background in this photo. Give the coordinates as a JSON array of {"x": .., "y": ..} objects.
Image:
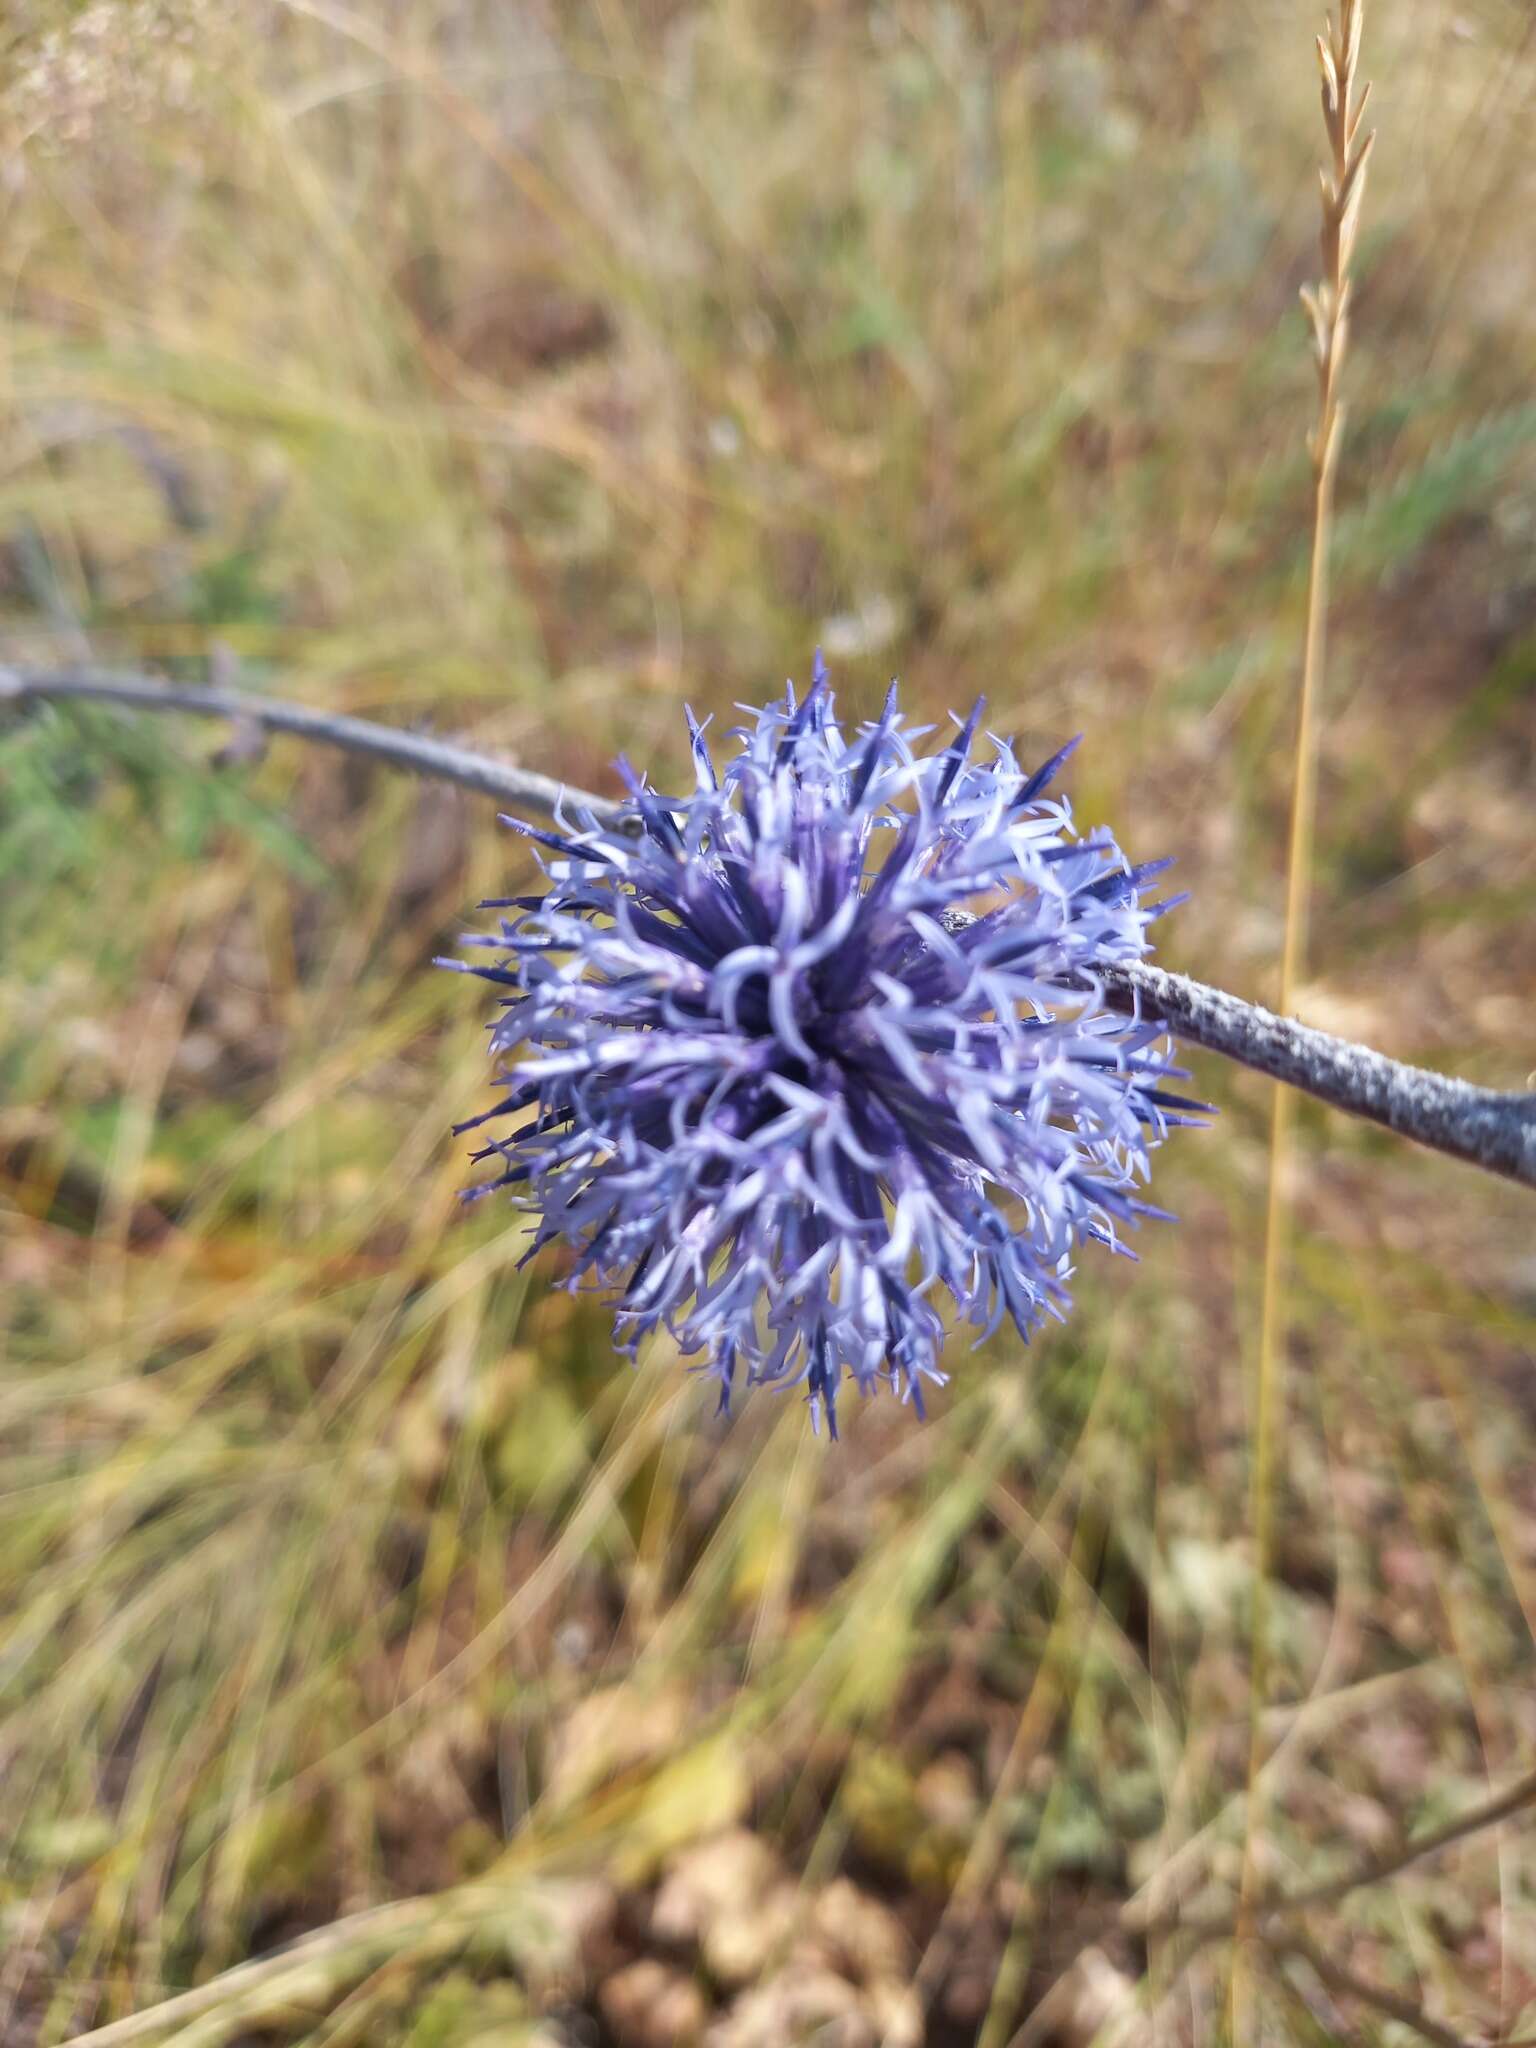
[{"x": 526, "y": 370}]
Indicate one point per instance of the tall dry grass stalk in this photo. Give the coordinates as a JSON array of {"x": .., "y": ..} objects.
[
  {"x": 1328, "y": 310},
  {"x": 1327, "y": 307}
]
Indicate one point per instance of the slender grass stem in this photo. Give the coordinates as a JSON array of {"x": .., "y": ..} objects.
[
  {"x": 1328, "y": 309},
  {"x": 1269, "y": 1390}
]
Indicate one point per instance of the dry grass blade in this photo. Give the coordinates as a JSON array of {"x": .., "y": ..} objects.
[{"x": 309, "y": 1969}]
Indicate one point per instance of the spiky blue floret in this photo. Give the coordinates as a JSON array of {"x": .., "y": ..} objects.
[{"x": 802, "y": 1053}]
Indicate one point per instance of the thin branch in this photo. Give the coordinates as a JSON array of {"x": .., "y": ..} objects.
[
  {"x": 1343, "y": 1983},
  {"x": 1514, "y": 1799},
  {"x": 1268, "y": 1916},
  {"x": 1489, "y": 1128},
  {"x": 414, "y": 751}
]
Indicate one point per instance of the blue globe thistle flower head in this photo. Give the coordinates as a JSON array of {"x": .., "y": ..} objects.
[{"x": 798, "y": 1058}]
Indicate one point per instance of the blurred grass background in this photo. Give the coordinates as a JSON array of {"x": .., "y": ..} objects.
[{"x": 528, "y": 370}]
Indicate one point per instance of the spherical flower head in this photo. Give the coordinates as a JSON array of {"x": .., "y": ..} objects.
[{"x": 796, "y": 1057}]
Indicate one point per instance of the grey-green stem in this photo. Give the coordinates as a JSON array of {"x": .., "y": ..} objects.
[{"x": 1489, "y": 1128}]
